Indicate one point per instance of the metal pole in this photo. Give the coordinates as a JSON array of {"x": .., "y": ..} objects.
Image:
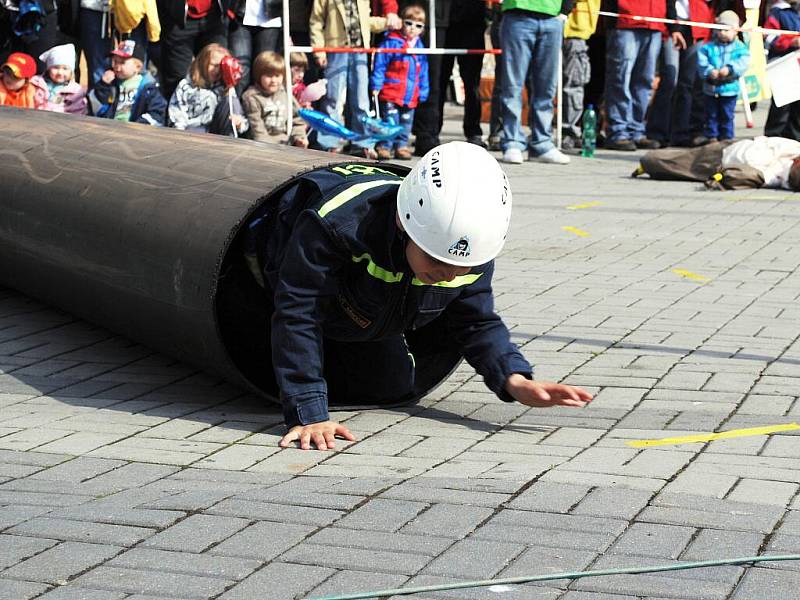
[
  {"x": 560, "y": 99},
  {"x": 287, "y": 77},
  {"x": 431, "y": 23}
]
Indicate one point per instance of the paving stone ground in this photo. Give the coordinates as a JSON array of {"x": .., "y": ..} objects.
[{"x": 127, "y": 475}]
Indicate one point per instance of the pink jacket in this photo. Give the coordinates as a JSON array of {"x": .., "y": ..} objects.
[{"x": 72, "y": 99}]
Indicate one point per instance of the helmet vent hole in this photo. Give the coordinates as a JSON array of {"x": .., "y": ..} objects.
[
  {"x": 408, "y": 215},
  {"x": 421, "y": 202}
]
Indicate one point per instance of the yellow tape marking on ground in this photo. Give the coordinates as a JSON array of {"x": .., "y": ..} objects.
[
  {"x": 575, "y": 230},
  {"x": 709, "y": 437},
  {"x": 586, "y": 205},
  {"x": 689, "y": 275}
]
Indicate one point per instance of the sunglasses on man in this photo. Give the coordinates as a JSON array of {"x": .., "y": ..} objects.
[{"x": 414, "y": 24}]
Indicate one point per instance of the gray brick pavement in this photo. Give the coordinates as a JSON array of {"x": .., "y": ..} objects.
[{"x": 125, "y": 474}]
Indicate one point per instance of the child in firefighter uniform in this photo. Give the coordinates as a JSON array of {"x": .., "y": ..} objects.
[{"x": 352, "y": 256}]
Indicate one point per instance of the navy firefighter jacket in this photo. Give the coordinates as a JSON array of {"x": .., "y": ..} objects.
[{"x": 334, "y": 257}]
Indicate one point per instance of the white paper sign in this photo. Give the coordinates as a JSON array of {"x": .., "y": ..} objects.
[{"x": 784, "y": 78}]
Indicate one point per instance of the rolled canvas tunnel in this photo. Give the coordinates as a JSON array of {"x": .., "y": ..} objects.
[{"x": 135, "y": 228}]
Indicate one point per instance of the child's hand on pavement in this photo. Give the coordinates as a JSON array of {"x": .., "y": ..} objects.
[
  {"x": 543, "y": 394},
  {"x": 322, "y": 435},
  {"x": 108, "y": 76}
]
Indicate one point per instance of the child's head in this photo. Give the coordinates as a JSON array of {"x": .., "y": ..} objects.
[
  {"x": 205, "y": 71},
  {"x": 731, "y": 19},
  {"x": 413, "y": 21},
  {"x": 60, "y": 61},
  {"x": 299, "y": 64},
  {"x": 17, "y": 70},
  {"x": 127, "y": 59},
  {"x": 268, "y": 71}
]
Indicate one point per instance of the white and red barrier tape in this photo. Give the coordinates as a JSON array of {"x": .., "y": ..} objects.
[{"x": 347, "y": 50}]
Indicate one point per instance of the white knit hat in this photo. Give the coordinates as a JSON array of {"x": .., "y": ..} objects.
[{"x": 59, "y": 55}]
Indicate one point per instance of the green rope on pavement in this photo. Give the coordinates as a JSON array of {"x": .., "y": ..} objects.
[{"x": 568, "y": 575}]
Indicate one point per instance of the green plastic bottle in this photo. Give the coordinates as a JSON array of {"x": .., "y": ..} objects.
[{"x": 589, "y": 132}]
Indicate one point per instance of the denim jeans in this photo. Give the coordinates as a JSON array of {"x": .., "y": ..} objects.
[
  {"x": 630, "y": 67},
  {"x": 528, "y": 41},
  {"x": 719, "y": 117},
  {"x": 348, "y": 87},
  {"x": 246, "y": 42},
  {"x": 397, "y": 115}
]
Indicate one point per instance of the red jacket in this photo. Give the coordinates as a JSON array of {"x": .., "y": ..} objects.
[{"x": 642, "y": 8}]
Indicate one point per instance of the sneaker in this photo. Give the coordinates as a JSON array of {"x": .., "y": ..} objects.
[
  {"x": 645, "y": 143},
  {"x": 384, "y": 153},
  {"x": 477, "y": 140},
  {"x": 403, "y": 153},
  {"x": 494, "y": 143},
  {"x": 623, "y": 144},
  {"x": 513, "y": 156},
  {"x": 553, "y": 157}
]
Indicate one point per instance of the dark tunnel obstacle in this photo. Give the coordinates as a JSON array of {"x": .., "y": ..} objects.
[{"x": 135, "y": 229}]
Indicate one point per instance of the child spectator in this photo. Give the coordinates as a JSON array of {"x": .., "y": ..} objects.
[
  {"x": 266, "y": 106},
  {"x": 65, "y": 94},
  {"x": 18, "y": 86},
  {"x": 126, "y": 93},
  {"x": 720, "y": 63},
  {"x": 199, "y": 103},
  {"x": 344, "y": 23},
  {"x": 401, "y": 80},
  {"x": 298, "y": 62}
]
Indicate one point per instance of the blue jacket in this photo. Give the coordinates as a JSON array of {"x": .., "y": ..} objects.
[
  {"x": 335, "y": 261},
  {"x": 149, "y": 106},
  {"x": 401, "y": 79},
  {"x": 714, "y": 55}
]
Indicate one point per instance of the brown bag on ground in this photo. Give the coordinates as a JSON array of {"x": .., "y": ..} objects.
[
  {"x": 736, "y": 178},
  {"x": 684, "y": 164}
]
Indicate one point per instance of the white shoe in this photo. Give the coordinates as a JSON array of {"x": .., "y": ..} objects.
[
  {"x": 553, "y": 157},
  {"x": 513, "y": 156}
]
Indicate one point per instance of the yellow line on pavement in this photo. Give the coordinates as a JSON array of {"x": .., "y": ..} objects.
[
  {"x": 585, "y": 205},
  {"x": 689, "y": 275},
  {"x": 710, "y": 437},
  {"x": 575, "y": 230}
]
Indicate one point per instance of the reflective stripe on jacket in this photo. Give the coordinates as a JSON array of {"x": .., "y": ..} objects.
[{"x": 335, "y": 259}]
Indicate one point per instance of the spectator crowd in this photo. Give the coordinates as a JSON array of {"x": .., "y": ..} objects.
[{"x": 217, "y": 67}]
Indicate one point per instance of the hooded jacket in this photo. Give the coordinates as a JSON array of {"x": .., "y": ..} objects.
[
  {"x": 149, "y": 106},
  {"x": 334, "y": 260}
]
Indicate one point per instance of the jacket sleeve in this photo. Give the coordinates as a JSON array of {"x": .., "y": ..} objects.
[
  {"x": 101, "y": 99},
  {"x": 424, "y": 81},
  {"x": 252, "y": 110},
  {"x": 389, "y": 7},
  {"x": 155, "y": 108},
  {"x": 376, "y": 25},
  {"x": 379, "y": 69},
  {"x": 740, "y": 60},
  {"x": 484, "y": 338},
  {"x": 316, "y": 23},
  {"x": 308, "y": 277},
  {"x": 704, "y": 67}
]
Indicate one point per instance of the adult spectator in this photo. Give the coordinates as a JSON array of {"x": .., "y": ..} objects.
[
  {"x": 337, "y": 24},
  {"x": 783, "y": 121},
  {"x": 495, "y": 115},
  {"x": 427, "y": 119},
  {"x": 677, "y": 115},
  {"x": 189, "y": 26},
  {"x": 632, "y": 53},
  {"x": 467, "y": 27},
  {"x": 254, "y": 27},
  {"x": 531, "y": 34},
  {"x": 31, "y": 28}
]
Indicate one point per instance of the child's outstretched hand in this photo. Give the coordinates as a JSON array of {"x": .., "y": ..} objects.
[{"x": 543, "y": 394}]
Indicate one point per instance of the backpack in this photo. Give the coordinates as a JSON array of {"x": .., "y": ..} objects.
[{"x": 30, "y": 20}]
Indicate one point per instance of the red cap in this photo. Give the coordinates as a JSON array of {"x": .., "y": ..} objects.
[{"x": 22, "y": 65}]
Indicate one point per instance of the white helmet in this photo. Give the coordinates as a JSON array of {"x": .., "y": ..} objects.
[{"x": 455, "y": 204}]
